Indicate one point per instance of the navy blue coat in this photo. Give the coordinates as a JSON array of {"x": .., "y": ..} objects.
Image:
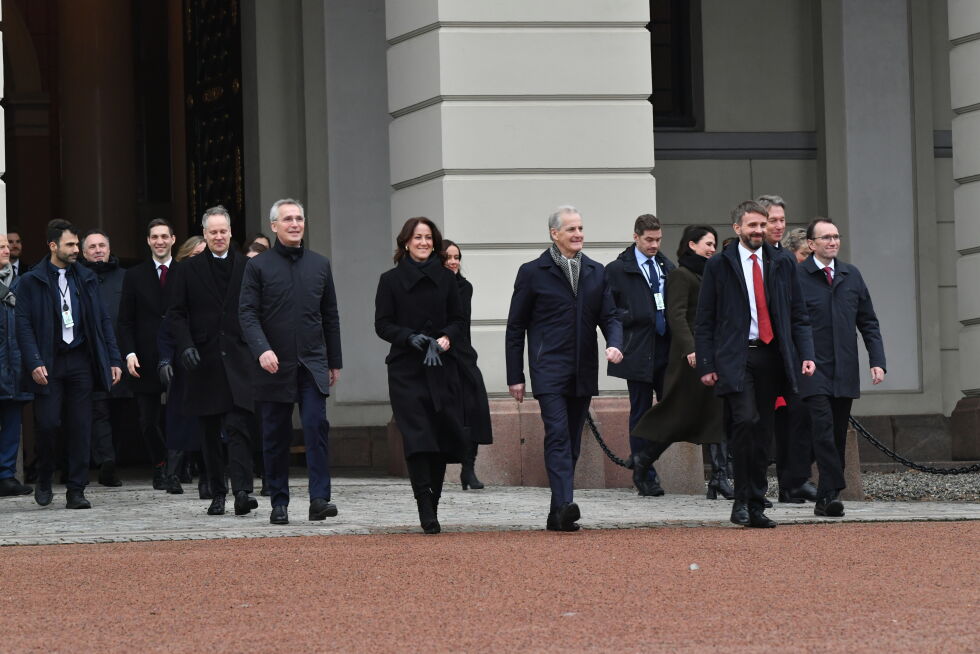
[
  {"x": 11, "y": 382},
  {"x": 110, "y": 277},
  {"x": 37, "y": 320},
  {"x": 721, "y": 331},
  {"x": 636, "y": 309},
  {"x": 837, "y": 313},
  {"x": 560, "y": 327}
]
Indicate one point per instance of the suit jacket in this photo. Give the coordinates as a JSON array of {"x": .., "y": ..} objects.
[
  {"x": 636, "y": 309},
  {"x": 835, "y": 311},
  {"x": 560, "y": 327},
  {"x": 141, "y": 310},
  {"x": 202, "y": 317},
  {"x": 721, "y": 330}
]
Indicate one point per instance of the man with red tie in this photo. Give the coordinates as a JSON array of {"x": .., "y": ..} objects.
[{"x": 752, "y": 337}]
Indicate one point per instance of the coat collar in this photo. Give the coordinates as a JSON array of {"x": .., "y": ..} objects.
[
  {"x": 841, "y": 269},
  {"x": 412, "y": 274}
]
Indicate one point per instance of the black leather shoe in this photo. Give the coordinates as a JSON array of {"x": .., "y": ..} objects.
[
  {"x": 787, "y": 497},
  {"x": 279, "y": 516},
  {"x": 244, "y": 504},
  {"x": 830, "y": 507},
  {"x": 107, "y": 475},
  {"x": 321, "y": 508},
  {"x": 554, "y": 524},
  {"x": 740, "y": 513},
  {"x": 43, "y": 494},
  {"x": 75, "y": 499},
  {"x": 766, "y": 503},
  {"x": 10, "y": 487},
  {"x": 173, "y": 485},
  {"x": 799, "y": 495},
  {"x": 217, "y": 505},
  {"x": 204, "y": 489},
  {"x": 760, "y": 520},
  {"x": 159, "y": 477},
  {"x": 568, "y": 515}
]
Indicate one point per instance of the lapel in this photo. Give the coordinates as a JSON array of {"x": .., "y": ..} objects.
[
  {"x": 412, "y": 274},
  {"x": 732, "y": 256},
  {"x": 206, "y": 274},
  {"x": 840, "y": 273},
  {"x": 545, "y": 261},
  {"x": 767, "y": 272}
]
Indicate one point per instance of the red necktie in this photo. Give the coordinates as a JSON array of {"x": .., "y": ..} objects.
[
  {"x": 830, "y": 276},
  {"x": 765, "y": 326},
  {"x": 163, "y": 275}
]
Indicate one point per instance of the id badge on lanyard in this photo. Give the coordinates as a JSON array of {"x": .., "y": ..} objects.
[{"x": 66, "y": 318}]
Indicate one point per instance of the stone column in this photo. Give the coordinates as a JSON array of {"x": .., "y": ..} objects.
[
  {"x": 964, "y": 61},
  {"x": 3, "y": 151}
]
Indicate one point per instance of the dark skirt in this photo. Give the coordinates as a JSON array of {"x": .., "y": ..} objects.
[{"x": 476, "y": 406}]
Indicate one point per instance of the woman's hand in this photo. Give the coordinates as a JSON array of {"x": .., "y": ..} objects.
[
  {"x": 443, "y": 342},
  {"x": 692, "y": 360}
]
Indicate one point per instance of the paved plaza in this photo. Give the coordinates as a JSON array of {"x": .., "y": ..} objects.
[{"x": 136, "y": 512}]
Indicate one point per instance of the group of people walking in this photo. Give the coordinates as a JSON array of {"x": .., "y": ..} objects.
[{"x": 236, "y": 340}]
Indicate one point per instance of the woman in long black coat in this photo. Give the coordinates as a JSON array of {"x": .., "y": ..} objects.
[
  {"x": 690, "y": 411},
  {"x": 476, "y": 407},
  {"x": 417, "y": 310}
]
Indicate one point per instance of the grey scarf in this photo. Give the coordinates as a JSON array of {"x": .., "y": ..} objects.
[
  {"x": 6, "y": 279},
  {"x": 571, "y": 266}
]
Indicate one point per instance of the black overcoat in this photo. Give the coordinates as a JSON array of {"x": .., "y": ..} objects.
[
  {"x": 837, "y": 314},
  {"x": 476, "y": 406},
  {"x": 111, "y": 276},
  {"x": 414, "y": 299},
  {"x": 560, "y": 326},
  {"x": 636, "y": 309},
  {"x": 202, "y": 317},
  {"x": 721, "y": 331},
  {"x": 12, "y": 386},
  {"x": 288, "y": 305},
  {"x": 141, "y": 310}
]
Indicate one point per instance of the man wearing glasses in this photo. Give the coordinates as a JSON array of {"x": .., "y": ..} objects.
[{"x": 838, "y": 301}]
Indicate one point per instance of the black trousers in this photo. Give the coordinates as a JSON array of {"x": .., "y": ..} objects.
[
  {"x": 103, "y": 446},
  {"x": 151, "y": 430},
  {"x": 427, "y": 470},
  {"x": 563, "y": 417},
  {"x": 235, "y": 426},
  {"x": 642, "y": 393},
  {"x": 794, "y": 447},
  {"x": 67, "y": 404},
  {"x": 752, "y": 422},
  {"x": 828, "y": 416}
]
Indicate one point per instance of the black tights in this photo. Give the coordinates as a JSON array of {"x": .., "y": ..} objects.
[{"x": 427, "y": 470}]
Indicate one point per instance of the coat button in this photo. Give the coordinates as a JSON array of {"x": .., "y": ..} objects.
[{"x": 223, "y": 353}]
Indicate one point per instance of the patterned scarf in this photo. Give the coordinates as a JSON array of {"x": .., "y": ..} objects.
[
  {"x": 6, "y": 279},
  {"x": 571, "y": 266}
]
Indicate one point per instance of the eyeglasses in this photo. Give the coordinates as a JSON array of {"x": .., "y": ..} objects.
[
  {"x": 292, "y": 219},
  {"x": 828, "y": 238}
]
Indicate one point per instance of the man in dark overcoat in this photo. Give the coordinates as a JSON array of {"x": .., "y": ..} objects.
[
  {"x": 289, "y": 318},
  {"x": 203, "y": 317},
  {"x": 97, "y": 256},
  {"x": 839, "y": 305},
  {"x": 637, "y": 280},
  {"x": 68, "y": 348},
  {"x": 751, "y": 333},
  {"x": 559, "y": 299},
  {"x": 143, "y": 304}
]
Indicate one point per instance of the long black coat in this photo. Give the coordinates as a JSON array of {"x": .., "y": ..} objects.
[
  {"x": 38, "y": 318},
  {"x": 413, "y": 299},
  {"x": 11, "y": 369},
  {"x": 636, "y": 309},
  {"x": 837, "y": 313},
  {"x": 476, "y": 406},
  {"x": 202, "y": 317},
  {"x": 288, "y": 305},
  {"x": 562, "y": 350},
  {"x": 721, "y": 331},
  {"x": 689, "y": 410},
  {"x": 141, "y": 310},
  {"x": 111, "y": 277}
]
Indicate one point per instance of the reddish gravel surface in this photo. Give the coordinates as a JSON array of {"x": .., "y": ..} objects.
[{"x": 853, "y": 587}]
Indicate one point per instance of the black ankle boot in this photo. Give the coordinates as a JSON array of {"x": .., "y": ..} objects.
[
  {"x": 719, "y": 473},
  {"x": 641, "y": 471},
  {"x": 467, "y": 477},
  {"x": 427, "y": 511}
]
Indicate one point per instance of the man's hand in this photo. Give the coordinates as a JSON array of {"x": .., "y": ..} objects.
[
  {"x": 443, "y": 342},
  {"x": 877, "y": 375},
  {"x": 116, "y": 374},
  {"x": 809, "y": 367},
  {"x": 710, "y": 379},
  {"x": 269, "y": 362},
  {"x": 613, "y": 355},
  {"x": 517, "y": 392},
  {"x": 166, "y": 374},
  {"x": 132, "y": 363},
  {"x": 191, "y": 358},
  {"x": 334, "y": 375},
  {"x": 40, "y": 375},
  {"x": 692, "y": 360}
]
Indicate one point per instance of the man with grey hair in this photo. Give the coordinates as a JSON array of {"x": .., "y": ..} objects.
[
  {"x": 203, "y": 318},
  {"x": 289, "y": 318},
  {"x": 559, "y": 299}
]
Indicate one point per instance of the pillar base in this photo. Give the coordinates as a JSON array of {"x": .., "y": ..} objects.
[{"x": 965, "y": 428}]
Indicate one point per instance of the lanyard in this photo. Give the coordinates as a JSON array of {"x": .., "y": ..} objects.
[
  {"x": 646, "y": 274},
  {"x": 64, "y": 293}
]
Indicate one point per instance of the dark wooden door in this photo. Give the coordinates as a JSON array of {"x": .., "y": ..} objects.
[{"x": 212, "y": 78}]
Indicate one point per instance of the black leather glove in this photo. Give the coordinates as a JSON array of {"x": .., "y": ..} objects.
[
  {"x": 190, "y": 358},
  {"x": 432, "y": 354},
  {"x": 419, "y": 341},
  {"x": 166, "y": 372}
]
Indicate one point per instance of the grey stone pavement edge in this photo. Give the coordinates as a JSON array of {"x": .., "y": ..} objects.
[{"x": 384, "y": 505}]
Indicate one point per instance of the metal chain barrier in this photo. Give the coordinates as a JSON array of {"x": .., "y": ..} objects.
[
  {"x": 905, "y": 462},
  {"x": 602, "y": 444}
]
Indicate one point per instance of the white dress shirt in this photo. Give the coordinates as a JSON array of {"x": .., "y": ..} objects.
[{"x": 747, "y": 271}]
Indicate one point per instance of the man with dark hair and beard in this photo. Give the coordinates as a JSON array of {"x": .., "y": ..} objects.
[{"x": 68, "y": 347}]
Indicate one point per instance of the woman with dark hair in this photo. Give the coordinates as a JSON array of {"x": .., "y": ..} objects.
[
  {"x": 417, "y": 310},
  {"x": 257, "y": 239},
  {"x": 476, "y": 407},
  {"x": 690, "y": 411}
]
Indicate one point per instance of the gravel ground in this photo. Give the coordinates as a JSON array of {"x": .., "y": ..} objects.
[{"x": 912, "y": 486}]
